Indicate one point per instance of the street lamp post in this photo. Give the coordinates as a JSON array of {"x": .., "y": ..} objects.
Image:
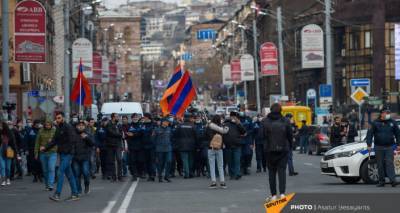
[
  {"x": 5, "y": 56},
  {"x": 256, "y": 63},
  {"x": 67, "y": 74}
]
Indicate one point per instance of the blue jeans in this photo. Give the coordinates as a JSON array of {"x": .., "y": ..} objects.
[
  {"x": 290, "y": 162},
  {"x": 303, "y": 144},
  {"x": 233, "y": 157},
  {"x": 384, "y": 158},
  {"x": 163, "y": 160},
  {"x": 5, "y": 165},
  {"x": 66, "y": 169},
  {"x": 81, "y": 167},
  {"x": 216, "y": 156},
  {"x": 187, "y": 160},
  {"x": 48, "y": 161}
]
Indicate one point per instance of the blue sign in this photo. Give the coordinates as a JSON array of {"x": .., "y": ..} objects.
[
  {"x": 321, "y": 111},
  {"x": 206, "y": 34},
  {"x": 325, "y": 90},
  {"x": 360, "y": 82},
  {"x": 41, "y": 99},
  {"x": 187, "y": 56},
  {"x": 33, "y": 93}
]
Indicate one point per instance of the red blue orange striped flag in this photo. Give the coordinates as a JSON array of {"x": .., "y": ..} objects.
[
  {"x": 170, "y": 90},
  {"x": 183, "y": 96},
  {"x": 81, "y": 90}
]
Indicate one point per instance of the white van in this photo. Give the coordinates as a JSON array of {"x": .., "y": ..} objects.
[{"x": 121, "y": 108}]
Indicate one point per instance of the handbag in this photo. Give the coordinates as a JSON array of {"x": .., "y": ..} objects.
[
  {"x": 10, "y": 152},
  {"x": 216, "y": 142}
]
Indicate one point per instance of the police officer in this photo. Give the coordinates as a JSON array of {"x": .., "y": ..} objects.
[
  {"x": 149, "y": 155},
  {"x": 185, "y": 136},
  {"x": 100, "y": 140},
  {"x": 201, "y": 155},
  {"x": 386, "y": 134},
  {"x": 259, "y": 143},
  {"x": 134, "y": 141}
]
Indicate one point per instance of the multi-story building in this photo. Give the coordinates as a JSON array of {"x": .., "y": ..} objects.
[
  {"x": 121, "y": 34},
  {"x": 152, "y": 51}
]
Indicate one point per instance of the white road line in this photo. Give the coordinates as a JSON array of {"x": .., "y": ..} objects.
[
  {"x": 111, "y": 203},
  {"x": 128, "y": 197},
  {"x": 308, "y": 164}
]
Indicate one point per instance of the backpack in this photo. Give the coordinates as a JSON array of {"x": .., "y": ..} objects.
[{"x": 216, "y": 142}]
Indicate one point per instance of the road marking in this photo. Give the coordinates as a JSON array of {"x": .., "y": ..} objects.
[
  {"x": 111, "y": 203},
  {"x": 128, "y": 197},
  {"x": 308, "y": 164}
]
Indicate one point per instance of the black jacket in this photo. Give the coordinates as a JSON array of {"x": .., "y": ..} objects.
[
  {"x": 233, "y": 138},
  {"x": 185, "y": 137},
  {"x": 277, "y": 132},
  {"x": 114, "y": 135},
  {"x": 83, "y": 146},
  {"x": 64, "y": 139},
  {"x": 384, "y": 133},
  {"x": 134, "y": 142},
  {"x": 336, "y": 137}
]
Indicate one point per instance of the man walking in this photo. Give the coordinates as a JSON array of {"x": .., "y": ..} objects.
[
  {"x": 278, "y": 136},
  {"x": 64, "y": 139},
  {"x": 386, "y": 135},
  {"x": 113, "y": 145}
]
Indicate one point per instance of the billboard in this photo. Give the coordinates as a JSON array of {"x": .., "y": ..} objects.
[
  {"x": 226, "y": 75},
  {"x": 397, "y": 50},
  {"x": 312, "y": 47},
  {"x": 247, "y": 67},
  {"x": 235, "y": 70},
  {"x": 82, "y": 50},
  {"x": 269, "y": 59},
  {"x": 105, "y": 75},
  {"x": 97, "y": 69},
  {"x": 30, "y": 32}
]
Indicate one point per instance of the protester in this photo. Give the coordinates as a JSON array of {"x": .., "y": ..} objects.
[
  {"x": 202, "y": 144},
  {"x": 290, "y": 156},
  {"x": 16, "y": 164},
  {"x": 384, "y": 133},
  {"x": 162, "y": 138},
  {"x": 304, "y": 134},
  {"x": 101, "y": 151},
  {"x": 114, "y": 146},
  {"x": 81, "y": 161},
  {"x": 48, "y": 159},
  {"x": 247, "y": 144},
  {"x": 278, "y": 136},
  {"x": 232, "y": 142},
  {"x": 215, "y": 154},
  {"x": 336, "y": 133},
  {"x": 64, "y": 139},
  {"x": 8, "y": 151},
  {"x": 91, "y": 129},
  {"x": 185, "y": 136},
  {"x": 259, "y": 143}
]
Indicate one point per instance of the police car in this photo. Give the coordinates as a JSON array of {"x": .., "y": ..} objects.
[{"x": 350, "y": 162}]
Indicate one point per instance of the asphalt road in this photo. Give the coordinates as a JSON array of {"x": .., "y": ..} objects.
[{"x": 180, "y": 196}]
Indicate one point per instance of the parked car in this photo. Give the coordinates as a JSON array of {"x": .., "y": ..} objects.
[{"x": 319, "y": 140}]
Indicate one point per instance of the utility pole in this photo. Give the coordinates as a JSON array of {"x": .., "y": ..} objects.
[
  {"x": 328, "y": 44},
  {"x": 256, "y": 71},
  {"x": 281, "y": 55},
  {"x": 82, "y": 21},
  {"x": 242, "y": 51},
  {"x": 67, "y": 74},
  {"x": 5, "y": 57}
]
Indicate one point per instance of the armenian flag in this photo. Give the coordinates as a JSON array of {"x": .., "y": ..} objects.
[
  {"x": 183, "y": 96},
  {"x": 170, "y": 91},
  {"x": 81, "y": 90}
]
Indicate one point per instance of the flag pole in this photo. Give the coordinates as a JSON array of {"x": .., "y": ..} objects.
[{"x": 80, "y": 87}]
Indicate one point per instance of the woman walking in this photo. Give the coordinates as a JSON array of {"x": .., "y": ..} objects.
[{"x": 8, "y": 151}]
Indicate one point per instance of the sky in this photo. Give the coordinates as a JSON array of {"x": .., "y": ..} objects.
[{"x": 116, "y": 3}]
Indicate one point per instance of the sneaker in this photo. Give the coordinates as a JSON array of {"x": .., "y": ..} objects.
[
  {"x": 282, "y": 196},
  {"x": 270, "y": 199},
  {"x": 293, "y": 174},
  {"x": 73, "y": 198},
  {"x": 394, "y": 184},
  {"x": 168, "y": 180},
  {"x": 55, "y": 197},
  {"x": 213, "y": 185},
  {"x": 8, "y": 182},
  {"x": 3, "y": 183},
  {"x": 223, "y": 185}
]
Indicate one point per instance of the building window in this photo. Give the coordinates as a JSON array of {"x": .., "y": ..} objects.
[
  {"x": 367, "y": 39},
  {"x": 354, "y": 41},
  {"x": 391, "y": 35}
]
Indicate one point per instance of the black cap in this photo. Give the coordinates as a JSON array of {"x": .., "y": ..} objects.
[
  {"x": 234, "y": 113},
  {"x": 384, "y": 109}
]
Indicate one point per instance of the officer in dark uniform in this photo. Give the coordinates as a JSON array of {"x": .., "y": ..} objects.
[
  {"x": 185, "y": 138},
  {"x": 135, "y": 154},
  {"x": 247, "y": 144},
  {"x": 201, "y": 156},
  {"x": 149, "y": 155}
]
